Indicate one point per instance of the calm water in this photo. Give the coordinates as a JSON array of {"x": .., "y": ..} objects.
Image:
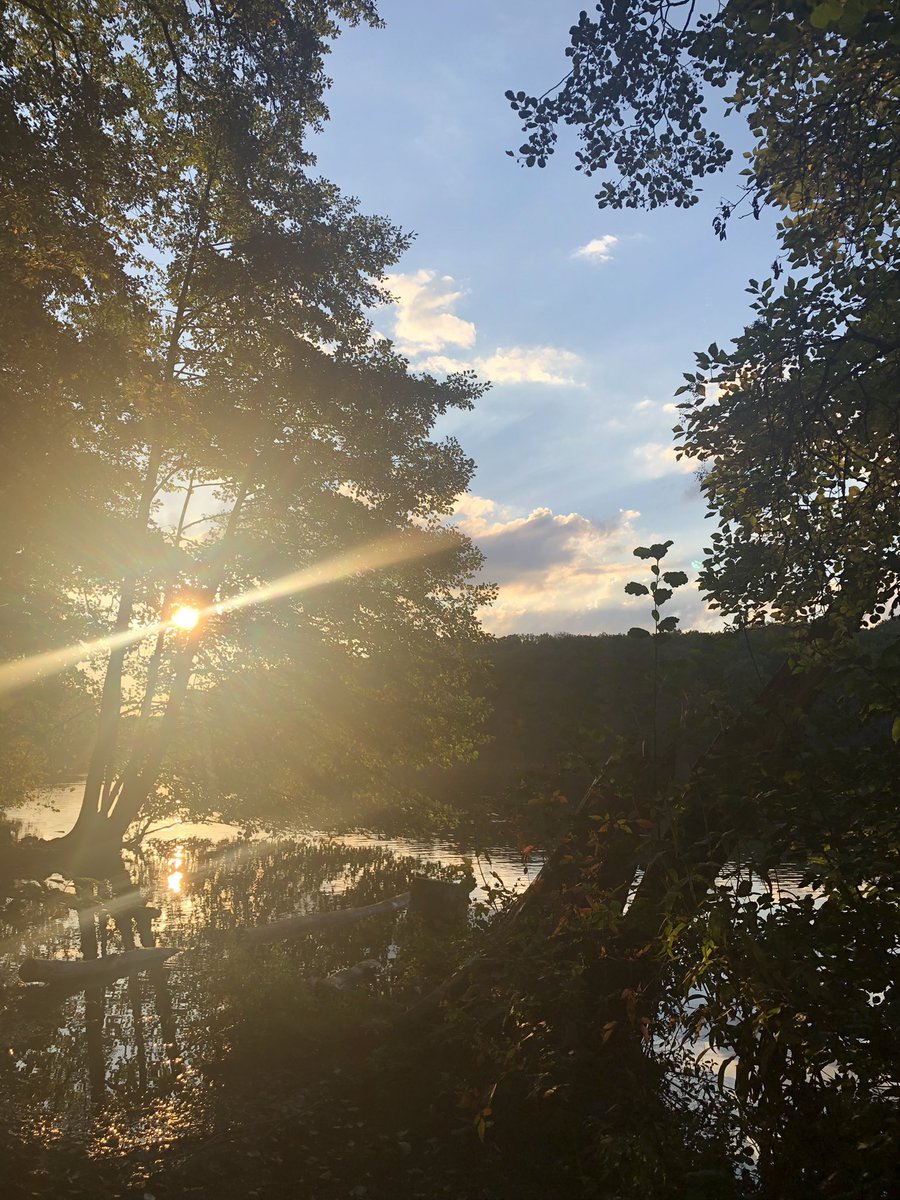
[{"x": 139, "y": 1062}]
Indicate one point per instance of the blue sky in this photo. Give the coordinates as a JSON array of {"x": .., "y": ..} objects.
[{"x": 583, "y": 320}]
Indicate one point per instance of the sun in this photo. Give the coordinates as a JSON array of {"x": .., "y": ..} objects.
[{"x": 185, "y": 617}]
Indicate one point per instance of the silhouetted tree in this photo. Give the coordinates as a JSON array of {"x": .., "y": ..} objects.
[{"x": 193, "y": 369}]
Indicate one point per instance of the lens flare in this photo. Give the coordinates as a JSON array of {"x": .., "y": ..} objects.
[
  {"x": 185, "y": 617},
  {"x": 381, "y": 555}
]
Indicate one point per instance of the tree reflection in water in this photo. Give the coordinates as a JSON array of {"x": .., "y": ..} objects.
[{"x": 142, "y": 1061}]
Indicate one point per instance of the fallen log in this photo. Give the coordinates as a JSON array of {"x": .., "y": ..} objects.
[
  {"x": 288, "y": 927},
  {"x": 352, "y": 975},
  {"x": 85, "y": 971}
]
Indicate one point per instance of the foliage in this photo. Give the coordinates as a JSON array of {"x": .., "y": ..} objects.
[
  {"x": 194, "y": 362},
  {"x": 795, "y": 429},
  {"x": 659, "y": 594},
  {"x": 565, "y": 707}
]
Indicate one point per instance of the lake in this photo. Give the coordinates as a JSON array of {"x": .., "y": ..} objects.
[
  {"x": 139, "y": 1063},
  {"x": 143, "y": 1065}
]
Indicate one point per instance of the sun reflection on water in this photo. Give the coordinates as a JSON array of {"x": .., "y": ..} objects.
[{"x": 176, "y": 875}]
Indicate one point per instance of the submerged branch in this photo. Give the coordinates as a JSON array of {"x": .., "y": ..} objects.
[{"x": 289, "y": 927}]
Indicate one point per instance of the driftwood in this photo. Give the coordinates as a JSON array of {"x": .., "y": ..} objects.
[
  {"x": 351, "y": 975},
  {"x": 289, "y": 927},
  {"x": 85, "y": 971}
]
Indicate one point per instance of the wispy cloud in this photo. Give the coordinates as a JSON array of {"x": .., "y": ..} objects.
[
  {"x": 443, "y": 364},
  {"x": 599, "y": 250},
  {"x": 548, "y": 365},
  {"x": 423, "y": 316},
  {"x": 653, "y": 460},
  {"x": 425, "y": 325}
]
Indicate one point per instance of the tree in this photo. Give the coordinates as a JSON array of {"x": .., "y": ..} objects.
[
  {"x": 796, "y": 429},
  {"x": 192, "y": 303}
]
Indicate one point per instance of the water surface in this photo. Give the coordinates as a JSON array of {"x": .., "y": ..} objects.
[{"x": 143, "y": 1062}]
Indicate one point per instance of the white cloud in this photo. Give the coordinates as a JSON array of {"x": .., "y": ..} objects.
[
  {"x": 423, "y": 316},
  {"x": 653, "y": 460},
  {"x": 513, "y": 364},
  {"x": 562, "y": 572},
  {"x": 598, "y": 250},
  {"x": 441, "y": 364},
  {"x": 556, "y": 571},
  {"x": 424, "y": 324},
  {"x": 530, "y": 364}
]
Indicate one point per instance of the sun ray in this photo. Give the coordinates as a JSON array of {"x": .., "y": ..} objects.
[{"x": 388, "y": 552}]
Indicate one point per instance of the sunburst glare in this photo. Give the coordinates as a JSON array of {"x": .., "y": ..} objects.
[
  {"x": 388, "y": 552},
  {"x": 185, "y": 617}
]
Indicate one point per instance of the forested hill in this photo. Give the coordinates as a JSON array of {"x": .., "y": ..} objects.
[{"x": 563, "y": 704}]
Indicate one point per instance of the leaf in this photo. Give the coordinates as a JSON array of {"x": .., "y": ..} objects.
[
  {"x": 636, "y": 632},
  {"x": 726, "y": 1063},
  {"x": 659, "y": 549},
  {"x": 636, "y": 589},
  {"x": 668, "y": 624},
  {"x": 643, "y": 552},
  {"x": 824, "y": 14},
  {"x": 675, "y": 578}
]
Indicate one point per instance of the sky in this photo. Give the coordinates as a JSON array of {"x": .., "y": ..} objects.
[{"x": 583, "y": 320}]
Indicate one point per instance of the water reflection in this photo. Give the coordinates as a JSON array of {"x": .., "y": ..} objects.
[
  {"x": 138, "y": 1061},
  {"x": 175, "y": 876}
]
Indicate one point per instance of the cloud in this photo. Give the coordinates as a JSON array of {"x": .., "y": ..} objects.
[
  {"x": 653, "y": 460},
  {"x": 442, "y": 364},
  {"x": 598, "y": 250},
  {"x": 530, "y": 364},
  {"x": 548, "y": 365},
  {"x": 562, "y": 572},
  {"x": 423, "y": 316},
  {"x": 424, "y": 325},
  {"x": 556, "y": 571}
]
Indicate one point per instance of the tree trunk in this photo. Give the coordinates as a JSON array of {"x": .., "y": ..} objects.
[
  {"x": 99, "y": 792},
  {"x": 80, "y": 972}
]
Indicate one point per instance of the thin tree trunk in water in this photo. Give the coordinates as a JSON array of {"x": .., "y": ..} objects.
[
  {"x": 79, "y": 972},
  {"x": 143, "y": 770},
  {"x": 111, "y": 699},
  {"x": 333, "y": 918},
  {"x": 113, "y": 788},
  {"x": 99, "y": 791}
]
